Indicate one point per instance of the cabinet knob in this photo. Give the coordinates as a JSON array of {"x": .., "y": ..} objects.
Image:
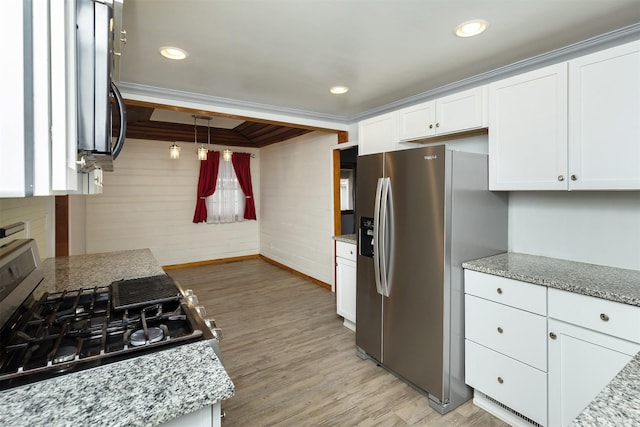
[
  {"x": 604, "y": 317},
  {"x": 560, "y": 177},
  {"x": 552, "y": 335},
  {"x": 500, "y": 380},
  {"x": 437, "y": 125},
  {"x": 430, "y": 126},
  {"x": 574, "y": 177},
  {"x": 350, "y": 252},
  {"x": 499, "y": 291},
  {"x": 500, "y": 330}
]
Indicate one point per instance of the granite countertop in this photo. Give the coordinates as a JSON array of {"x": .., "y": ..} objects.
[
  {"x": 142, "y": 391},
  {"x": 610, "y": 283},
  {"x": 618, "y": 404},
  {"x": 347, "y": 238},
  {"x": 613, "y": 405}
]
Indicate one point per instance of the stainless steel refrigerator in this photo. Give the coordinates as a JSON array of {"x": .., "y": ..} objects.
[{"x": 421, "y": 213}]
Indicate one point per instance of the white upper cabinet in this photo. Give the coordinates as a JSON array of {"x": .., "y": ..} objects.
[
  {"x": 570, "y": 126},
  {"x": 528, "y": 131},
  {"x": 459, "y": 112},
  {"x": 377, "y": 134},
  {"x": 38, "y": 118},
  {"x": 604, "y": 119}
]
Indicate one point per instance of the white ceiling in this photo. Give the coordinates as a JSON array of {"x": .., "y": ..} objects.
[{"x": 285, "y": 54}]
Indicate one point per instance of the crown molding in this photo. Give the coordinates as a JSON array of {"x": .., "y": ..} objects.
[
  {"x": 331, "y": 121},
  {"x": 603, "y": 41},
  {"x": 231, "y": 106}
]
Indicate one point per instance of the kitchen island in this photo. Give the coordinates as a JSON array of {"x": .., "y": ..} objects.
[
  {"x": 146, "y": 390},
  {"x": 618, "y": 403}
]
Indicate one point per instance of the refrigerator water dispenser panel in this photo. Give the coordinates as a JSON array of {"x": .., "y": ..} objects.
[{"x": 366, "y": 237}]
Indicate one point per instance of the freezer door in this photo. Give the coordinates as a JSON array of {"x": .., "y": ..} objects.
[
  {"x": 368, "y": 300},
  {"x": 413, "y": 312}
]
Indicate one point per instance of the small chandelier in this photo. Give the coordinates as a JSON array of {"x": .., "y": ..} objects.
[
  {"x": 202, "y": 151},
  {"x": 226, "y": 154},
  {"x": 174, "y": 151}
]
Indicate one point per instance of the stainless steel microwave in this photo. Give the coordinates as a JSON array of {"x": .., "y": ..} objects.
[{"x": 98, "y": 36}]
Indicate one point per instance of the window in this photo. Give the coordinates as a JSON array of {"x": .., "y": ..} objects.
[{"x": 226, "y": 204}]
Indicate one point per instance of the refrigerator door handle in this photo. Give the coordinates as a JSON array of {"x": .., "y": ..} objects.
[
  {"x": 376, "y": 235},
  {"x": 389, "y": 240},
  {"x": 383, "y": 236}
]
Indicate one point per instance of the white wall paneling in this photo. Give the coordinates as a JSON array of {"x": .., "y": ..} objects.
[
  {"x": 38, "y": 215},
  {"x": 296, "y": 201},
  {"x": 149, "y": 201},
  {"x": 594, "y": 227}
]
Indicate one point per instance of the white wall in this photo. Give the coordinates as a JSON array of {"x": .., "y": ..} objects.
[
  {"x": 296, "y": 200},
  {"x": 593, "y": 227},
  {"x": 38, "y": 213},
  {"x": 149, "y": 201}
]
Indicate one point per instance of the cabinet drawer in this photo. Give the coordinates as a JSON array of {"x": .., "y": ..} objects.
[
  {"x": 526, "y": 296},
  {"x": 507, "y": 330},
  {"x": 516, "y": 385},
  {"x": 609, "y": 317},
  {"x": 346, "y": 250}
]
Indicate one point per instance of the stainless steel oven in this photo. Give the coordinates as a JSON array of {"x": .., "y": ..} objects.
[
  {"x": 43, "y": 334},
  {"x": 98, "y": 36}
]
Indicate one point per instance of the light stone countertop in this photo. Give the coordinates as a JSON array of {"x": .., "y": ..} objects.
[
  {"x": 618, "y": 404},
  {"x": 142, "y": 391},
  {"x": 610, "y": 283},
  {"x": 347, "y": 238}
]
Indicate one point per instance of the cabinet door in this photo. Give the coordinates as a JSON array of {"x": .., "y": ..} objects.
[
  {"x": 461, "y": 111},
  {"x": 346, "y": 289},
  {"x": 528, "y": 131},
  {"x": 377, "y": 134},
  {"x": 15, "y": 170},
  {"x": 604, "y": 119},
  {"x": 417, "y": 121},
  {"x": 581, "y": 363}
]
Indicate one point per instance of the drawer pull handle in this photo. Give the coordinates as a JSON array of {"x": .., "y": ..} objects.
[
  {"x": 604, "y": 317},
  {"x": 500, "y": 291},
  {"x": 552, "y": 335},
  {"x": 500, "y": 380},
  {"x": 500, "y": 330}
]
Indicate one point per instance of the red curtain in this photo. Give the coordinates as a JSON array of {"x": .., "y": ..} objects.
[
  {"x": 242, "y": 167},
  {"x": 206, "y": 184}
]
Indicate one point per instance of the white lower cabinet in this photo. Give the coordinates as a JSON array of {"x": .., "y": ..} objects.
[
  {"x": 542, "y": 354},
  {"x": 207, "y": 416},
  {"x": 586, "y": 349},
  {"x": 505, "y": 346},
  {"x": 346, "y": 283}
]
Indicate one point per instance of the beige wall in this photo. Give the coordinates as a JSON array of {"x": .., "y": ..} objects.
[
  {"x": 296, "y": 200},
  {"x": 38, "y": 213},
  {"x": 148, "y": 202}
]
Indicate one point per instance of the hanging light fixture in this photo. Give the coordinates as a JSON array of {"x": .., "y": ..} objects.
[
  {"x": 174, "y": 151},
  {"x": 226, "y": 154},
  {"x": 202, "y": 151}
]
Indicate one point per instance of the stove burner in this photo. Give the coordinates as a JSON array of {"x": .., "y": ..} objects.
[
  {"x": 65, "y": 354},
  {"x": 137, "y": 337}
]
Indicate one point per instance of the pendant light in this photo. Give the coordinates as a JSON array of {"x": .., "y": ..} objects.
[
  {"x": 202, "y": 151},
  {"x": 174, "y": 151},
  {"x": 226, "y": 154}
]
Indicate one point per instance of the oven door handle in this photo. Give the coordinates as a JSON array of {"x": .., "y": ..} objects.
[{"x": 122, "y": 113}]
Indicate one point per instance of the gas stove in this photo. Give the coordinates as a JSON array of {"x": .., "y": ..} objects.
[{"x": 47, "y": 335}]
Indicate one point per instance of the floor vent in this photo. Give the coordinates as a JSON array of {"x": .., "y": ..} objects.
[{"x": 516, "y": 413}]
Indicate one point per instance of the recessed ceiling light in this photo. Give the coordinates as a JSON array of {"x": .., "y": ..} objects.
[
  {"x": 471, "y": 28},
  {"x": 173, "y": 52},
  {"x": 339, "y": 90}
]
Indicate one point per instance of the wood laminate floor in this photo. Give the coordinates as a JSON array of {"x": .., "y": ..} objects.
[{"x": 292, "y": 361}]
